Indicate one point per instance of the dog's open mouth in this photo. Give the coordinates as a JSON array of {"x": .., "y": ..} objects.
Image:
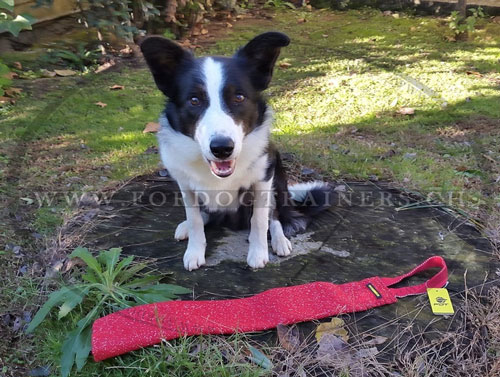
[{"x": 222, "y": 168}]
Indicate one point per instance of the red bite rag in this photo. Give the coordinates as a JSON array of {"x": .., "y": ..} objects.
[{"x": 145, "y": 325}]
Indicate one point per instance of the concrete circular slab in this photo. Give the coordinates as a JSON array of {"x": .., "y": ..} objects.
[{"x": 364, "y": 234}]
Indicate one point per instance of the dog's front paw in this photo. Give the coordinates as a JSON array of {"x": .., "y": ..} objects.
[
  {"x": 281, "y": 245},
  {"x": 181, "y": 233},
  {"x": 194, "y": 258},
  {"x": 257, "y": 257}
]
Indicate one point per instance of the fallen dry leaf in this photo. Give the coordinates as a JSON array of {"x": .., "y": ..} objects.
[
  {"x": 101, "y": 104},
  {"x": 11, "y": 75},
  {"x": 288, "y": 337},
  {"x": 335, "y": 327},
  {"x": 204, "y": 31},
  {"x": 17, "y": 65},
  {"x": 332, "y": 346},
  {"x": 127, "y": 50},
  {"x": 105, "y": 66},
  {"x": 228, "y": 24},
  {"x": 117, "y": 87},
  {"x": 324, "y": 35},
  {"x": 285, "y": 65},
  {"x": 7, "y": 100},
  {"x": 406, "y": 111},
  {"x": 474, "y": 73},
  {"x": 301, "y": 20},
  {"x": 65, "y": 72},
  {"x": 13, "y": 92},
  {"x": 151, "y": 127},
  {"x": 375, "y": 339}
]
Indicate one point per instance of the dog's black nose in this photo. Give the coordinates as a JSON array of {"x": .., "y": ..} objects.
[{"x": 222, "y": 147}]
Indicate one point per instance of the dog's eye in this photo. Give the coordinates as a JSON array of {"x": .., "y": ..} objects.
[
  {"x": 195, "y": 101},
  {"x": 239, "y": 98}
]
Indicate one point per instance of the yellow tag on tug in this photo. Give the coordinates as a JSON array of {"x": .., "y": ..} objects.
[{"x": 440, "y": 301}]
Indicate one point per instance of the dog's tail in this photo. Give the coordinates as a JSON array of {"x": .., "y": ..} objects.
[{"x": 307, "y": 200}]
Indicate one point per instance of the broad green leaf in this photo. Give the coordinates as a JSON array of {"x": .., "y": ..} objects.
[
  {"x": 123, "y": 263},
  {"x": 90, "y": 277},
  {"x": 76, "y": 343},
  {"x": 141, "y": 282},
  {"x": 54, "y": 299},
  {"x": 68, "y": 351},
  {"x": 83, "y": 347},
  {"x": 174, "y": 289},
  {"x": 85, "y": 255},
  {"x": 152, "y": 297},
  {"x": 7, "y": 4},
  {"x": 129, "y": 273},
  {"x": 14, "y": 26},
  {"x": 110, "y": 258},
  {"x": 159, "y": 292},
  {"x": 75, "y": 297}
]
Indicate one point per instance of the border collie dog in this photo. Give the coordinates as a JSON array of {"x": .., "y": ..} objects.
[{"x": 214, "y": 141}]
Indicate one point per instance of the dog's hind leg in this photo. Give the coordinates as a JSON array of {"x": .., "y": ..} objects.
[
  {"x": 182, "y": 230},
  {"x": 280, "y": 244}
]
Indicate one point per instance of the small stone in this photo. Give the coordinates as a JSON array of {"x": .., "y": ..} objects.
[
  {"x": 163, "y": 173},
  {"x": 307, "y": 171},
  {"x": 88, "y": 200},
  {"x": 17, "y": 324},
  {"x": 43, "y": 371},
  {"x": 104, "y": 178},
  {"x": 409, "y": 156},
  {"x": 334, "y": 147},
  {"x": 22, "y": 270},
  {"x": 373, "y": 178}
]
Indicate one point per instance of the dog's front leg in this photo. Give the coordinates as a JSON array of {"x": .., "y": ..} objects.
[
  {"x": 194, "y": 257},
  {"x": 258, "y": 254}
]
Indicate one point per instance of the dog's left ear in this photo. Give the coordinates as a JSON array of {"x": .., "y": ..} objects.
[
  {"x": 164, "y": 58},
  {"x": 260, "y": 55}
]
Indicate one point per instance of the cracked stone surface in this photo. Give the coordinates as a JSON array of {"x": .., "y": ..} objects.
[{"x": 362, "y": 235}]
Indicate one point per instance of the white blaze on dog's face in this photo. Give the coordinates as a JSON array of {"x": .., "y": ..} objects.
[
  {"x": 219, "y": 135},
  {"x": 216, "y": 100}
]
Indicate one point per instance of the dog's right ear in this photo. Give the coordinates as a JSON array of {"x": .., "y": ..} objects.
[{"x": 164, "y": 57}]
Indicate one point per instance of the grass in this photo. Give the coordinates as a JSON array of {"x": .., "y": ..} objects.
[{"x": 336, "y": 109}]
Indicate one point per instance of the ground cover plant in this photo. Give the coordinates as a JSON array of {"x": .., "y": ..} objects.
[{"x": 358, "y": 95}]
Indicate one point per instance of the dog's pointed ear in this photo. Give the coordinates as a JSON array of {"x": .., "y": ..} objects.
[
  {"x": 164, "y": 57},
  {"x": 260, "y": 55}
]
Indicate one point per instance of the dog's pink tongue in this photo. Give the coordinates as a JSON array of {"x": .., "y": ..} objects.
[{"x": 223, "y": 165}]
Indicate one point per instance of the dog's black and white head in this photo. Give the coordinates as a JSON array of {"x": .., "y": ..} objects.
[{"x": 215, "y": 100}]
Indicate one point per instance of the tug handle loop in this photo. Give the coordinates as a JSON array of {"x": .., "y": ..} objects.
[{"x": 437, "y": 281}]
